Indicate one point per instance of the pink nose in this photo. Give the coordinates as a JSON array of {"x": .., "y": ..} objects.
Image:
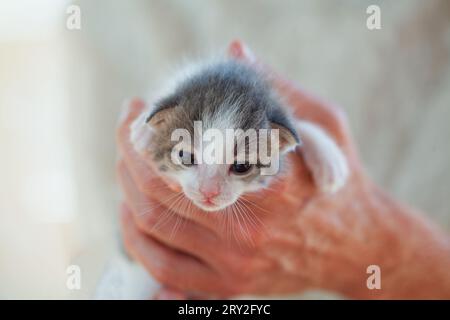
[{"x": 210, "y": 193}]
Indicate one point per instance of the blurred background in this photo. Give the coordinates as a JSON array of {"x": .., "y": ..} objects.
[{"x": 61, "y": 92}]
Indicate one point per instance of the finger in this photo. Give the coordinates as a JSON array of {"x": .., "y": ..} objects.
[
  {"x": 130, "y": 110},
  {"x": 167, "y": 265},
  {"x": 238, "y": 50},
  {"x": 158, "y": 220}
]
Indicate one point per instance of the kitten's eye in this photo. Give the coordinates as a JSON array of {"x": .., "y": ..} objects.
[
  {"x": 240, "y": 168},
  {"x": 187, "y": 158}
]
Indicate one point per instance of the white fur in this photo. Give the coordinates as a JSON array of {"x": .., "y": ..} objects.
[
  {"x": 323, "y": 157},
  {"x": 123, "y": 279}
]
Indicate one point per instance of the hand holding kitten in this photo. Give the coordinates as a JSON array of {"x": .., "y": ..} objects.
[{"x": 285, "y": 239}]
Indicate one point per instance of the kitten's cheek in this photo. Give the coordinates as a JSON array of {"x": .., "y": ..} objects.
[{"x": 173, "y": 186}]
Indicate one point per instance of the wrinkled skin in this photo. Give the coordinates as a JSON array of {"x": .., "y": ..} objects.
[{"x": 293, "y": 238}]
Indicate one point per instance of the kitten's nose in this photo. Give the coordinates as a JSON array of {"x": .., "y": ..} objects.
[{"x": 210, "y": 193}]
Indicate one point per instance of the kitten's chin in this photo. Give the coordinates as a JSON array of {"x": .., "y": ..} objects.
[{"x": 211, "y": 207}]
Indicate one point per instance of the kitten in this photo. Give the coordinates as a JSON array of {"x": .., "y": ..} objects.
[{"x": 223, "y": 95}]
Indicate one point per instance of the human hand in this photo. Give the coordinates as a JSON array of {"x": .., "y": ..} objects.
[{"x": 282, "y": 240}]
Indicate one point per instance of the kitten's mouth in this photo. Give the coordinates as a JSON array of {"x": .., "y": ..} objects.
[{"x": 209, "y": 203}]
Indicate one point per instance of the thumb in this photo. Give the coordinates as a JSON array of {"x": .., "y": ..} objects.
[{"x": 238, "y": 50}]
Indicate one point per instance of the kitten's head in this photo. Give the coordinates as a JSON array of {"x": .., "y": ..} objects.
[{"x": 206, "y": 135}]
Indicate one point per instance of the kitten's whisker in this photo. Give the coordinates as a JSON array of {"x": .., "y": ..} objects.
[
  {"x": 144, "y": 204},
  {"x": 161, "y": 218},
  {"x": 165, "y": 216},
  {"x": 250, "y": 215},
  {"x": 189, "y": 208},
  {"x": 222, "y": 217},
  {"x": 242, "y": 225},
  {"x": 259, "y": 224},
  {"x": 227, "y": 225},
  {"x": 253, "y": 219},
  {"x": 147, "y": 205},
  {"x": 233, "y": 229},
  {"x": 184, "y": 204},
  {"x": 178, "y": 219},
  {"x": 247, "y": 235},
  {"x": 165, "y": 201},
  {"x": 254, "y": 204}
]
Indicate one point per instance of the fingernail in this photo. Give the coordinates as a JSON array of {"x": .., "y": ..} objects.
[
  {"x": 239, "y": 50},
  {"x": 235, "y": 49}
]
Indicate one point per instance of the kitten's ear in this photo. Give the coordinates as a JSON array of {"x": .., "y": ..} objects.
[
  {"x": 157, "y": 118},
  {"x": 288, "y": 138},
  {"x": 163, "y": 112}
]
